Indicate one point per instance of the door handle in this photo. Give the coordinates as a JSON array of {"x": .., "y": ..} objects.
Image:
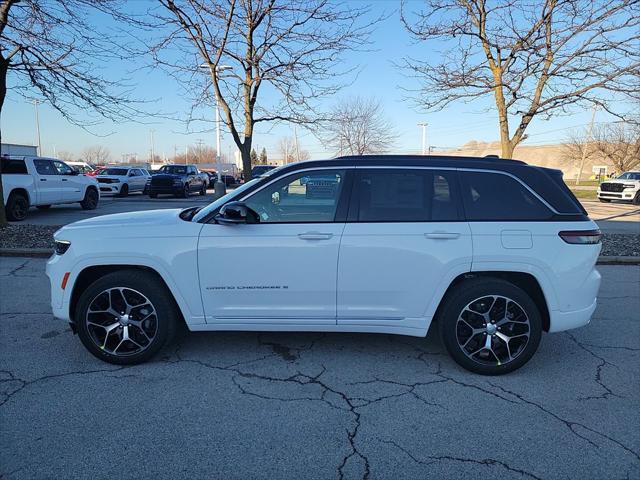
[
  {"x": 315, "y": 236},
  {"x": 65, "y": 179},
  {"x": 442, "y": 235},
  {"x": 43, "y": 179}
]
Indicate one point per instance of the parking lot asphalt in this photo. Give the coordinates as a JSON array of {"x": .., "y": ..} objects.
[
  {"x": 611, "y": 217},
  {"x": 312, "y": 406}
]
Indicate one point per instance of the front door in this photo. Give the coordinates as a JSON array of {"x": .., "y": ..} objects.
[
  {"x": 405, "y": 240},
  {"x": 72, "y": 188},
  {"x": 283, "y": 269}
]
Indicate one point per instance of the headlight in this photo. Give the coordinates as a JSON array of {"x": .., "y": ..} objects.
[
  {"x": 115, "y": 180},
  {"x": 626, "y": 185},
  {"x": 61, "y": 246}
]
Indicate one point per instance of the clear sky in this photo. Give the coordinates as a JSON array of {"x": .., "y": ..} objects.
[{"x": 378, "y": 78}]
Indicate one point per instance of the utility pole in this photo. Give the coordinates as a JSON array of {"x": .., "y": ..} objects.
[
  {"x": 35, "y": 106},
  {"x": 153, "y": 157},
  {"x": 295, "y": 137},
  {"x": 586, "y": 145},
  {"x": 424, "y": 137}
]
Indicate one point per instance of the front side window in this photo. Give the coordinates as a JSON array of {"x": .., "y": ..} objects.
[
  {"x": 173, "y": 170},
  {"x": 45, "y": 167},
  {"x": 412, "y": 195},
  {"x": 495, "y": 197},
  {"x": 62, "y": 168},
  {"x": 309, "y": 197}
]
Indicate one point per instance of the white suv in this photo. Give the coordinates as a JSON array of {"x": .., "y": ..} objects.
[
  {"x": 624, "y": 187},
  {"x": 122, "y": 181},
  {"x": 495, "y": 250}
]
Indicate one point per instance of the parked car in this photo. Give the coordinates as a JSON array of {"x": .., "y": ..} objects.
[
  {"x": 260, "y": 170},
  {"x": 122, "y": 181},
  {"x": 229, "y": 180},
  {"x": 41, "y": 182},
  {"x": 97, "y": 169},
  {"x": 82, "y": 168},
  {"x": 626, "y": 186},
  {"x": 177, "y": 180},
  {"x": 495, "y": 250}
]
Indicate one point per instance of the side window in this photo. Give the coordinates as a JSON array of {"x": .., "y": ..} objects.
[
  {"x": 62, "y": 168},
  {"x": 495, "y": 196},
  {"x": 309, "y": 197},
  {"x": 16, "y": 167},
  {"x": 135, "y": 172},
  {"x": 406, "y": 196},
  {"x": 45, "y": 167}
]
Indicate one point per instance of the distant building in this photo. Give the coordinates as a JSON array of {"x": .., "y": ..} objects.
[{"x": 16, "y": 149}]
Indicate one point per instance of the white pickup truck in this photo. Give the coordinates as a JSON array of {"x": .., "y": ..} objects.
[{"x": 41, "y": 182}]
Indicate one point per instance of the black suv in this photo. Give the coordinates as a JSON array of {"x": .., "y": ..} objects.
[{"x": 178, "y": 180}]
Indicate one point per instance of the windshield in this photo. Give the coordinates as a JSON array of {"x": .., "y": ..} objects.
[
  {"x": 114, "y": 171},
  {"x": 629, "y": 176},
  {"x": 173, "y": 169},
  {"x": 224, "y": 199}
]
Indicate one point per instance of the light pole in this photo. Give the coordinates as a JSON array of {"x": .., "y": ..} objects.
[
  {"x": 35, "y": 106},
  {"x": 424, "y": 137},
  {"x": 219, "y": 187}
]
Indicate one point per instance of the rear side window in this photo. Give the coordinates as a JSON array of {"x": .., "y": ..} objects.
[
  {"x": 15, "y": 167},
  {"x": 406, "y": 196},
  {"x": 496, "y": 197},
  {"x": 45, "y": 167}
]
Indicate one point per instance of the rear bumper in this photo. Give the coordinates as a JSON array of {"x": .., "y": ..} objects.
[{"x": 561, "y": 321}]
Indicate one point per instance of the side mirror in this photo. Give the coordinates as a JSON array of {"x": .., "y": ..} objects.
[{"x": 236, "y": 212}]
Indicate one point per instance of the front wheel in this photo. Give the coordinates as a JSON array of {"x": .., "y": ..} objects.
[
  {"x": 203, "y": 190},
  {"x": 490, "y": 326},
  {"x": 124, "y": 190},
  {"x": 636, "y": 199},
  {"x": 605, "y": 200},
  {"x": 126, "y": 317},
  {"x": 90, "y": 201}
]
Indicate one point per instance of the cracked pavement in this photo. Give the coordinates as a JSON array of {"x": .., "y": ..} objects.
[{"x": 311, "y": 405}]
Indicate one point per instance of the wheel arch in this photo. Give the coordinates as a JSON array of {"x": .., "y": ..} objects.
[
  {"x": 526, "y": 281},
  {"x": 90, "y": 274},
  {"x": 22, "y": 191}
]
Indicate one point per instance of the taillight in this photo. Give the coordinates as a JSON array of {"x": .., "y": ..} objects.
[{"x": 581, "y": 237}]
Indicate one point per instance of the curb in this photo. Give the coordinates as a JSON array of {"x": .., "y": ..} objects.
[
  {"x": 26, "y": 252},
  {"x": 47, "y": 252}
]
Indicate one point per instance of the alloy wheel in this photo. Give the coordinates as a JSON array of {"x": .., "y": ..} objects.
[
  {"x": 493, "y": 330},
  {"x": 121, "y": 321}
]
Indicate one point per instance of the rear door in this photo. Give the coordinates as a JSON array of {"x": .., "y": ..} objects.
[
  {"x": 405, "y": 240},
  {"x": 48, "y": 182}
]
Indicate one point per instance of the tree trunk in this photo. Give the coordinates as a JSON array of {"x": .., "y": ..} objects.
[
  {"x": 3, "y": 94},
  {"x": 245, "y": 153}
]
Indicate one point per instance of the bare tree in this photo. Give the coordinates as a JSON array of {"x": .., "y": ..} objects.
[
  {"x": 96, "y": 155},
  {"x": 358, "y": 126},
  {"x": 51, "y": 50},
  {"x": 619, "y": 144},
  {"x": 536, "y": 59},
  {"x": 290, "y": 48},
  {"x": 287, "y": 150},
  {"x": 66, "y": 156}
]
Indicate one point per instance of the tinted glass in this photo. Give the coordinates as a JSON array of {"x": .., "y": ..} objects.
[
  {"x": 406, "y": 196},
  {"x": 114, "y": 171},
  {"x": 629, "y": 176},
  {"x": 494, "y": 196},
  {"x": 45, "y": 167},
  {"x": 309, "y": 197},
  {"x": 173, "y": 169},
  {"x": 62, "y": 168},
  {"x": 16, "y": 167}
]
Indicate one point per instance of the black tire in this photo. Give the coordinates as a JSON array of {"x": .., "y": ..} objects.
[
  {"x": 605, "y": 200},
  {"x": 203, "y": 190},
  {"x": 636, "y": 199},
  {"x": 43, "y": 207},
  {"x": 165, "y": 318},
  {"x": 17, "y": 207},
  {"x": 124, "y": 190},
  {"x": 451, "y": 329},
  {"x": 185, "y": 191},
  {"x": 153, "y": 195},
  {"x": 91, "y": 199}
]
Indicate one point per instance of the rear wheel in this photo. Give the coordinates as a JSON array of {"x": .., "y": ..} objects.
[
  {"x": 17, "y": 207},
  {"x": 43, "y": 207},
  {"x": 126, "y": 317},
  {"x": 124, "y": 190},
  {"x": 490, "y": 326},
  {"x": 90, "y": 201}
]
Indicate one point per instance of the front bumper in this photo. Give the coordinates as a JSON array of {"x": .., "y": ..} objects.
[
  {"x": 165, "y": 189},
  {"x": 624, "y": 195},
  {"x": 55, "y": 270},
  {"x": 109, "y": 188}
]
